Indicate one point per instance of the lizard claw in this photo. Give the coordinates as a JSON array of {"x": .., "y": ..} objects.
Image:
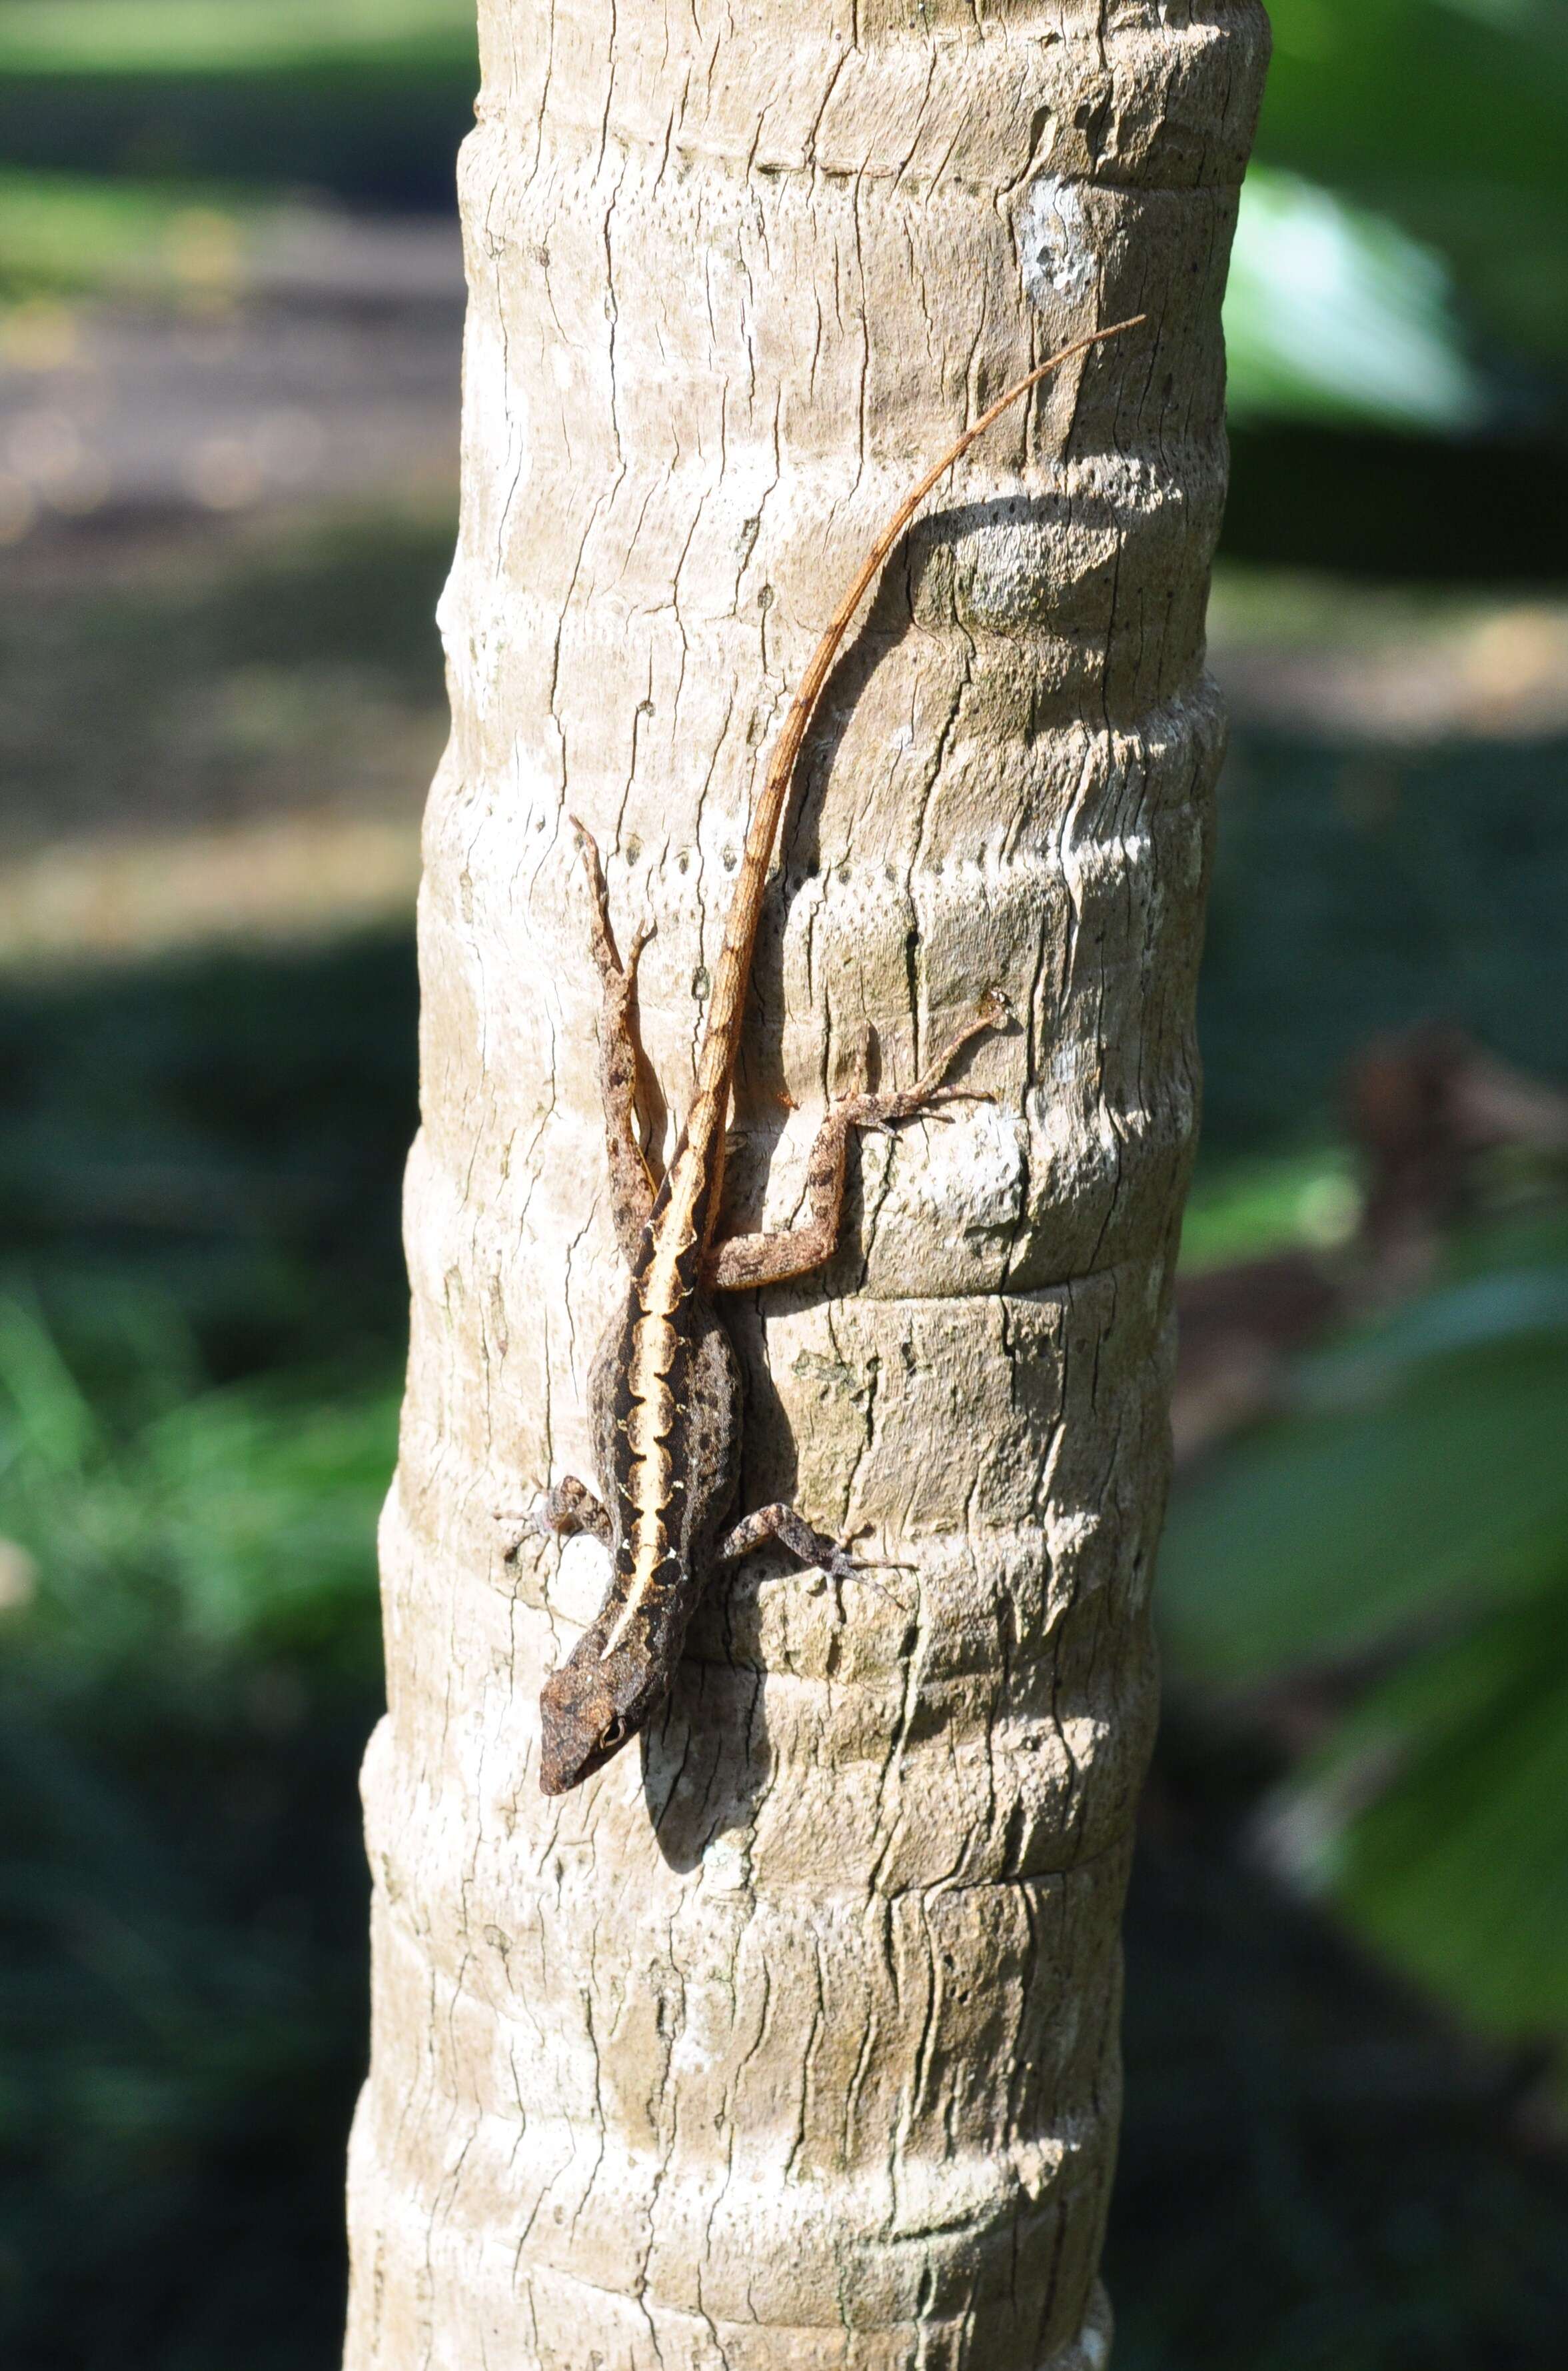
[
  {"x": 860, "y": 1573},
  {"x": 533, "y": 1524},
  {"x": 843, "y": 1566}
]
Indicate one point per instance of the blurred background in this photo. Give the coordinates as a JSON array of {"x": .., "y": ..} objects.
[{"x": 230, "y": 299}]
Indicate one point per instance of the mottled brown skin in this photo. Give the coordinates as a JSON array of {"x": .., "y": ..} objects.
[
  {"x": 595, "y": 1702},
  {"x": 665, "y": 1391}
]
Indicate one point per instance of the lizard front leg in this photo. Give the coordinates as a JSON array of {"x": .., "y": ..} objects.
[
  {"x": 568, "y": 1509},
  {"x": 745, "y": 1262},
  {"x": 631, "y": 1181}
]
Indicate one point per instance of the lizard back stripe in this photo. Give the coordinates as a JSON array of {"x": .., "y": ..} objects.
[{"x": 663, "y": 1289}]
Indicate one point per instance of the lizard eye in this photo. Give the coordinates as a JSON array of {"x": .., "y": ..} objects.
[{"x": 615, "y": 1730}]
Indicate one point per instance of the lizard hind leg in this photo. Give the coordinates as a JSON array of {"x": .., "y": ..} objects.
[
  {"x": 792, "y": 1532},
  {"x": 631, "y": 1180},
  {"x": 814, "y": 1548},
  {"x": 746, "y": 1262}
]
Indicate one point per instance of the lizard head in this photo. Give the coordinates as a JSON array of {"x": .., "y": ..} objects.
[{"x": 588, "y": 1710}]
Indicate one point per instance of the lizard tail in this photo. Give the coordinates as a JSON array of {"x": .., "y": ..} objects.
[{"x": 734, "y": 962}]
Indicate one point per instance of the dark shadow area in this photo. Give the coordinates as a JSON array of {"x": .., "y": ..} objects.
[
  {"x": 1372, "y": 504},
  {"x": 1316, "y": 2174},
  {"x": 225, "y": 1134},
  {"x": 706, "y": 1761},
  {"x": 1362, "y": 889},
  {"x": 381, "y": 129},
  {"x": 184, "y": 2011}
]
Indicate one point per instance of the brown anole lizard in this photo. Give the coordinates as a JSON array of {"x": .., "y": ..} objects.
[{"x": 664, "y": 1390}]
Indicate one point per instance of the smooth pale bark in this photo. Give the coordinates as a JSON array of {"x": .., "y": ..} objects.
[{"x": 792, "y": 2040}]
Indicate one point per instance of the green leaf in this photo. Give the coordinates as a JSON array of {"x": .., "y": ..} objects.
[
  {"x": 1414, "y": 1506},
  {"x": 1444, "y": 117},
  {"x": 1244, "y": 1209},
  {"x": 1438, "y": 1820},
  {"x": 1412, "y": 1489},
  {"x": 1333, "y": 313}
]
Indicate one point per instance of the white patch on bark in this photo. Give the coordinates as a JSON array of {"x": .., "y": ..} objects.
[
  {"x": 1054, "y": 256},
  {"x": 576, "y": 1589},
  {"x": 972, "y": 1173}
]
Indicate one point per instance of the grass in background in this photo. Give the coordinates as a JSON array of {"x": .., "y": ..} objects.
[
  {"x": 212, "y": 680},
  {"x": 67, "y": 234},
  {"x": 200, "y": 1165},
  {"x": 364, "y": 99},
  {"x": 132, "y": 37}
]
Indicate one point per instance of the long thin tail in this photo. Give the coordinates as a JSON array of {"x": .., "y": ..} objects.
[{"x": 735, "y": 963}]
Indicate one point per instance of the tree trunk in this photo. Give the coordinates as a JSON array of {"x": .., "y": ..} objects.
[{"x": 792, "y": 2040}]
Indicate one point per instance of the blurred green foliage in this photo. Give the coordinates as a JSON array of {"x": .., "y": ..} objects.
[
  {"x": 1404, "y": 1525},
  {"x": 201, "y": 1309},
  {"x": 1424, "y": 1443},
  {"x": 365, "y": 99},
  {"x": 71, "y": 233},
  {"x": 1244, "y": 1206},
  {"x": 1332, "y": 313},
  {"x": 199, "y": 1177},
  {"x": 1445, "y": 116},
  {"x": 182, "y": 1704},
  {"x": 1402, "y": 258},
  {"x": 141, "y": 37}
]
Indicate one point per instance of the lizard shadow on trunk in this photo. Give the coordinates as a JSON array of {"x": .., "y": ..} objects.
[
  {"x": 942, "y": 576},
  {"x": 706, "y": 1760}
]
